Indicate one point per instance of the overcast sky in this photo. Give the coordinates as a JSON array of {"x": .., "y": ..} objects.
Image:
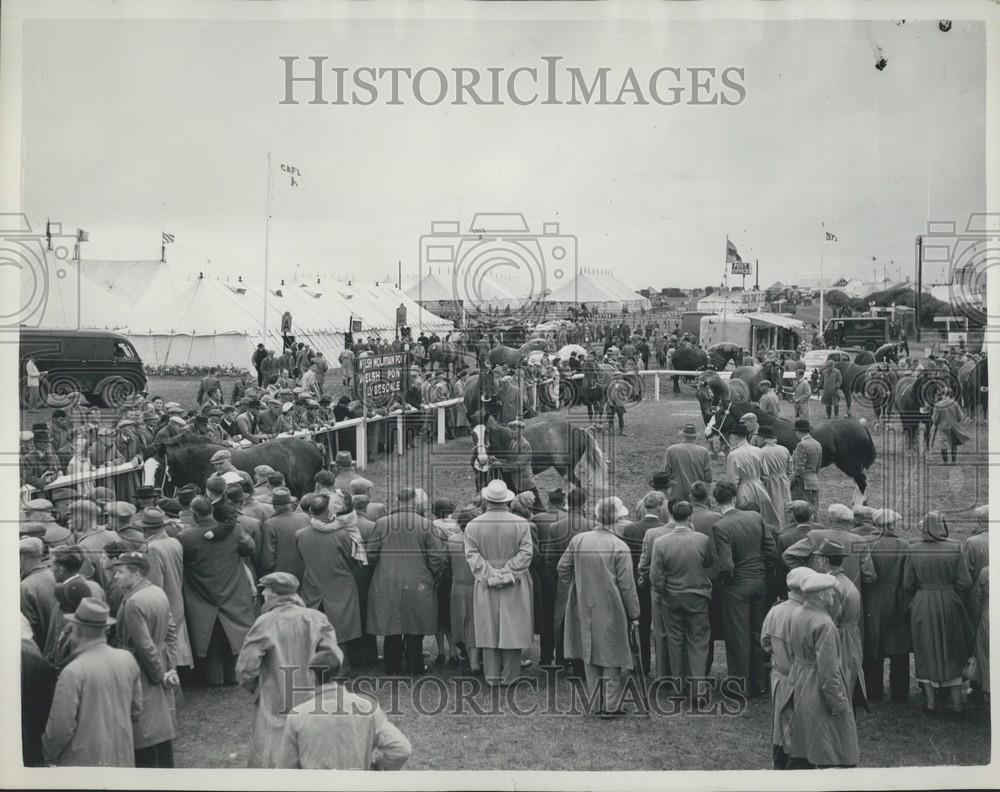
[{"x": 133, "y": 128}]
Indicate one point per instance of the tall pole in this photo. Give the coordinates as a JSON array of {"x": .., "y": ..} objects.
[
  {"x": 920, "y": 284},
  {"x": 822, "y": 286},
  {"x": 267, "y": 242},
  {"x": 399, "y": 274}
]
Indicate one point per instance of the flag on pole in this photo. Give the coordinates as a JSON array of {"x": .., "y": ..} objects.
[
  {"x": 293, "y": 173},
  {"x": 48, "y": 234},
  {"x": 167, "y": 238},
  {"x": 82, "y": 236},
  {"x": 829, "y": 236},
  {"x": 732, "y": 254}
]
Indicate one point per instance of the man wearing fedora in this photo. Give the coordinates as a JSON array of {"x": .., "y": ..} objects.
[
  {"x": 279, "y": 548},
  {"x": 407, "y": 559},
  {"x": 344, "y": 471},
  {"x": 274, "y": 661},
  {"x": 147, "y": 629},
  {"x": 633, "y": 534},
  {"x": 807, "y": 459},
  {"x": 802, "y": 395},
  {"x": 246, "y": 422},
  {"x": 498, "y": 548},
  {"x": 685, "y": 463},
  {"x": 98, "y": 697},
  {"x": 551, "y": 544},
  {"x": 166, "y": 570}
]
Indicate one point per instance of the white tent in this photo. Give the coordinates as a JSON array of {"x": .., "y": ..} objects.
[
  {"x": 603, "y": 293},
  {"x": 60, "y": 298},
  {"x": 176, "y": 317}
]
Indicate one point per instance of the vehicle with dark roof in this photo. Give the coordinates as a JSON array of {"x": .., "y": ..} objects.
[{"x": 102, "y": 365}]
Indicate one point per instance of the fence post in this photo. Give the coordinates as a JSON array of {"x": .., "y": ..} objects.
[
  {"x": 361, "y": 444},
  {"x": 400, "y": 435},
  {"x": 656, "y": 386}
]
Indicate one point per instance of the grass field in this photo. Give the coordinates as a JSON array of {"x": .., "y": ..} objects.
[{"x": 214, "y": 724}]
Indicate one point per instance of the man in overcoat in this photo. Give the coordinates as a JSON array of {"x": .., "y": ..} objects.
[
  {"x": 146, "y": 628},
  {"x": 218, "y": 593},
  {"x": 498, "y": 549},
  {"x": 401, "y": 600},
  {"x": 274, "y": 662}
]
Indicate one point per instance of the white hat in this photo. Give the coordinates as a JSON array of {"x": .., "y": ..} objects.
[
  {"x": 611, "y": 502},
  {"x": 798, "y": 576},
  {"x": 884, "y": 517},
  {"x": 816, "y": 582},
  {"x": 838, "y": 511},
  {"x": 496, "y": 492}
]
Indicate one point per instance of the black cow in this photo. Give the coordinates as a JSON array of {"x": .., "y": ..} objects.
[{"x": 846, "y": 443}]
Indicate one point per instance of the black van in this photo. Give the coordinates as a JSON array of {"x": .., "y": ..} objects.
[
  {"x": 103, "y": 366},
  {"x": 860, "y": 332}
]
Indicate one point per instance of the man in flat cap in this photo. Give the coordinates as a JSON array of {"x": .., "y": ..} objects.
[
  {"x": 227, "y": 423},
  {"x": 769, "y": 399},
  {"x": 91, "y": 537},
  {"x": 822, "y": 732},
  {"x": 147, "y": 629},
  {"x": 247, "y": 423},
  {"x": 807, "y": 459},
  {"x": 774, "y": 638},
  {"x": 222, "y": 461},
  {"x": 776, "y": 466},
  {"x": 857, "y": 559},
  {"x": 97, "y": 700},
  {"x": 977, "y": 547},
  {"x": 38, "y": 588},
  {"x": 338, "y": 729},
  {"x": 863, "y": 520},
  {"x": 283, "y": 639},
  {"x": 886, "y": 625},
  {"x": 119, "y": 516},
  {"x": 686, "y": 462}
]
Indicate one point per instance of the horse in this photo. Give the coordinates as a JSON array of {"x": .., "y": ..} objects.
[
  {"x": 846, "y": 443},
  {"x": 188, "y": 458},
  {"x": 915, "y": 397},
  {"x": 973, "y": 380},
  {"x": 872, "y": 382},
  {"x": 887, "y": 353},
  {"x": 773, "y": 372},
  {"x": 505, "y": 355},
  {"x": 686, "y": 357},
  {"x": 555, "y": 443},
  {"x": 724, "y": 352},
  {"x": 751, "y": 377},
  {"x": 608, "y": 394},
  {"x": 506, "y": 402},
  {"x": 713, "y": 391},
  {"x": 450, "y": 355}
]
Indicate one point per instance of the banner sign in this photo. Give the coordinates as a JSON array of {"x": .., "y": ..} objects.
[
  {"x": 382, "y": 379},
  {"x": 741, "y": 268}
]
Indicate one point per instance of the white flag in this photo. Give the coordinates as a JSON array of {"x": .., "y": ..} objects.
[{"x": 293, "y": 173}]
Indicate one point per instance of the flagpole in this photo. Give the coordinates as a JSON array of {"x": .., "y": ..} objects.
[
  {"x": 725, "y": 281},
  {"x": 267, "y": 241},
  {"x": 822, "y": 286}
]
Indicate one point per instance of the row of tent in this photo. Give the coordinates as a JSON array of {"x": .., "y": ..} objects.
[
  {"x": 176, "y": 317},
  {"x": 602, "y": 292}
]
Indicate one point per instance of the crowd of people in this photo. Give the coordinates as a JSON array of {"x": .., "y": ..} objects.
[
  {"x": 119, "y": 596},
  {"x": 125, "y": 594}
]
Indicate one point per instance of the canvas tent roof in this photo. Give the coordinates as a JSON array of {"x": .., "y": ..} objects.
[
  {"x": 431, "y": 288},
  {"x": 767, "y": 319},
  {"x": 592, "y": 287},
  {"x": 62, "y": 299}
]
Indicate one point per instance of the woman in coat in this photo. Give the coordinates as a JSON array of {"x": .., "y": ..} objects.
[
  {"x": 498, "y": 549},
  {"x": 823, "y": 732},
  {"x": 937, "y": 577},
  {"x": 597, "y": 568},
  {"x": 328, "y": 581},
  {"x": 463, "y": 584}
]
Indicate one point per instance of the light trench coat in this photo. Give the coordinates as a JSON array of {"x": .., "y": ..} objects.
[
  {"x": 774, "y": 639},
  {"x": 597, "y": 567},
  {"x": 497, "y": 542},
  {"x": 286, "y": 635}
]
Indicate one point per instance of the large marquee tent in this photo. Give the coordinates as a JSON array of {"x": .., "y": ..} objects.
[{"x": 176, "y": 316}]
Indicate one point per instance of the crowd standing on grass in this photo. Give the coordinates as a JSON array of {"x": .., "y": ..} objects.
[{"x": 127, "y": 595}]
